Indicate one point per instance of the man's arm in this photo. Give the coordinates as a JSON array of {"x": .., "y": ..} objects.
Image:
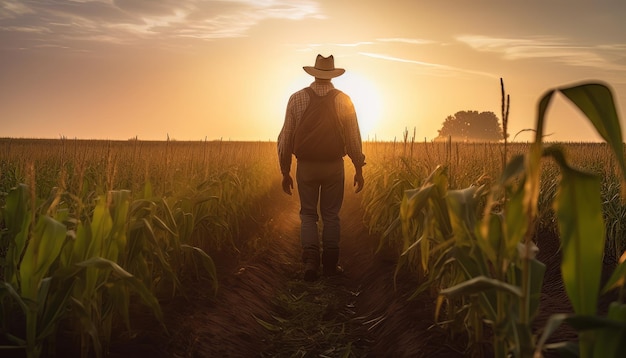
[
  {"x": 352, "y": 136},
  {"x": 285, "y": 146}
]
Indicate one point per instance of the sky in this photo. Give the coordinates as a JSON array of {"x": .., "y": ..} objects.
[{"x": 207, "y": 70}]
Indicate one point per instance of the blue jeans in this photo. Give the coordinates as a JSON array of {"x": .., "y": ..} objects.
[{"x": 320, "y": 183}]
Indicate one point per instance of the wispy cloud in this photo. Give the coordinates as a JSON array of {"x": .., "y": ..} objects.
[
  {"x": 355, "y": 44},
  {"x": 406, "y": 40},
  {"x": 603, "y": 56},
  {"x": 430, "y": 68},
  {"x": 125, "y": 21}
]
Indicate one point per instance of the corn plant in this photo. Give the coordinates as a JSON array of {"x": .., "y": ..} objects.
[
  {"x": 52, "y": 272},
  {"x": 106, "y": 248},
  {"x": 36, "y": 242},
  {"x": 484, "y": 265},
  {"x": 582, "y": 229}
]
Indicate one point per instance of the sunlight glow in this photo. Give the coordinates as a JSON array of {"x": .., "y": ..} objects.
[{"x": 367, "y": 101}]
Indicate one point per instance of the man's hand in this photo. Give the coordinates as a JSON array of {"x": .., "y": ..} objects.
[
  {"x": 358, "y": 181},
  {"x": 287, "y": 183}
]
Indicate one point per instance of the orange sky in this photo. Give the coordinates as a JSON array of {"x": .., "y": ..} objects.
[{"x": 191, "y": 69}]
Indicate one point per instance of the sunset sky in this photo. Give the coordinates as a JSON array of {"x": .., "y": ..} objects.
[{"x": 194, "y": 69}]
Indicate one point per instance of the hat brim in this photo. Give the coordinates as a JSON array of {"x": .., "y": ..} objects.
[{"x": 323, "y": 74}]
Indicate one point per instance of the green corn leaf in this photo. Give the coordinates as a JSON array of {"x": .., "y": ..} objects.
[
  {"x": 579, "y": 212},
  {"x": 81, "y": 244},
  {"x": 119, "y": 210},
  {"x": 414, "y": 200},
  {"x": 537, "y": 273},
  {"x": 611, "y": 341},
  {"x": 187, "y": 227},
  {"x": 596, "y": 102},
  {"x": 156, "y": 250},
  {"x": 104, "y": 264},
  {"x": 207, "y": 262},
  {"x": 169, "y": 215},
  {"x": 147, "y": 190},
  {"x": 462, "y": 209},
  {"x": 17, "y": 220},
  {"x": 101, "y": 226},
  {"x": 43, "y": 249},
  {"x": 565, "y": 349},
  {"x": 88, "y": 325},
  {"x": 119, "y": 301},
  {"x": 425, "y": 244},
  {"x": 6, "y": 289},
  {"x": 617, "y": 278},
  {"x": 583, "y": 323},
  {"x": 127, "y": 279},
  {"x": 415, "y": 244},
  {"x": 55, "y": 307},
  {"x": 159, "y": 223},
  {"x": 15, "y": 211},
  {"x": 480, "y": 284},
  {"x": 553, "y": 323}
]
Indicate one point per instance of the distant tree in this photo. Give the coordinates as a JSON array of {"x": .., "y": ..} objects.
[{"x": 471, "y": 126}]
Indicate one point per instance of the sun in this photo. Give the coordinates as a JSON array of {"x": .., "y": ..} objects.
[{"x": 366, "y": 99}]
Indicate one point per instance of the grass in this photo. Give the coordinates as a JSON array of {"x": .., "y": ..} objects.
[{"x": 316, "y": 320}]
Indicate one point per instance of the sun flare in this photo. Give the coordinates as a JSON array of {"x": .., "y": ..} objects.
[{"x": 366, "y": 99}]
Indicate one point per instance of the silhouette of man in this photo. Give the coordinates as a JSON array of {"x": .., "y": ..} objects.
[{"x": 320, "y": 128}]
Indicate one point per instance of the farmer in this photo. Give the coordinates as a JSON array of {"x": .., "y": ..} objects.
[{"x": 320, "y": 128}]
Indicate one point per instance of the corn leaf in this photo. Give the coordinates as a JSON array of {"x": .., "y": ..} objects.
[
  {"x": 611, "y": 339},
  {"x": 596, "y": 102},
  {"x": 553, "y": 323},
  {"x": 43, "y": 249},
  {"x": 478, "y": 285},
  {"x": 617, "y": 277},
  {"x": 207, "y": 262},
  {"x": 579, "y": 212}
]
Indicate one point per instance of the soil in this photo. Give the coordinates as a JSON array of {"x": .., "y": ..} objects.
[{"x": 263, "y": 308}]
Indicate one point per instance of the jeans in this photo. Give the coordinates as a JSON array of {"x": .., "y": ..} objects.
[{"x": 320, "y": 183}]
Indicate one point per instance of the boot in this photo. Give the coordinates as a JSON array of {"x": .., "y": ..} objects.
[
  {"x": 311, "y": 259},
  {"x": 330, "y": 259}
]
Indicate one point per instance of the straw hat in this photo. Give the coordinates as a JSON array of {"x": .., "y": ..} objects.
[{"x": 324, "y": 68}]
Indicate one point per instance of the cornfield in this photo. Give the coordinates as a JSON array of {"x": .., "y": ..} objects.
[
  {"x": 89, "y": 227},
  {"x": 466, "y": 219}
]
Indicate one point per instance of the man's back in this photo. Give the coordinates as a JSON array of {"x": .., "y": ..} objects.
[{"x": 319, "y": 133}]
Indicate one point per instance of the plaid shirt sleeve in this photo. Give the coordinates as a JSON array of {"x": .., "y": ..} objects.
[
  {"x": 295, "y": 107},
  {"x": 352, "y": 133}
]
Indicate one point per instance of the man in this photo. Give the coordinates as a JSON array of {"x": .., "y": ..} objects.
[{"x": 320, "y": 128}]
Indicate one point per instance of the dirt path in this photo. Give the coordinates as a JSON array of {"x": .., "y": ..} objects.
[{"x": 264, "y": 309}]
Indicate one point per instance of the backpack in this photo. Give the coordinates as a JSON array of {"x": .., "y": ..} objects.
[{"x": 319, "y": 134}]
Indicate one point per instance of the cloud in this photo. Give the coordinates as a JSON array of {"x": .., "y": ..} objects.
[
  {"x": 430, "y": 68},
  {"x": 407, "y": 41},
  {"x": 127, "y": 21},
  {"x": 355, "y": 44},
  {"x": 604, "y": 56}
]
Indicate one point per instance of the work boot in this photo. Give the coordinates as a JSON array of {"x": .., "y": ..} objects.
[
  {"x": 311, "y": 259},
  {"x": 330, "y": 259}
]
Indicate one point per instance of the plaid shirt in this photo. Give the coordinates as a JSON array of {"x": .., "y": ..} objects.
[{"x": 345, "y": 111}]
